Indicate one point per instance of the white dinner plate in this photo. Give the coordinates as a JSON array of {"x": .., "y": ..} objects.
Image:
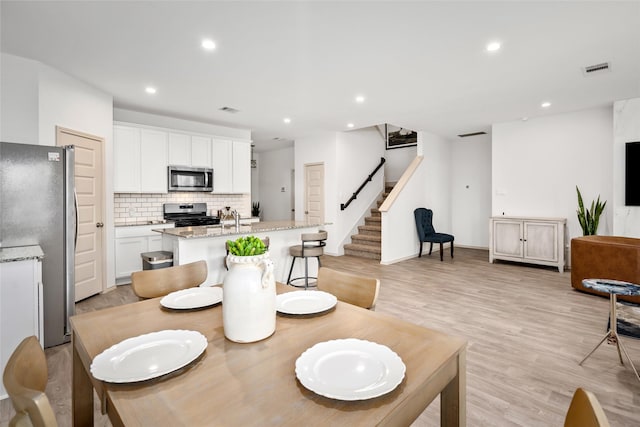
[
  {"x": 350, "y": 369},
  {"x": 305, "y": 302},
  {"x": 192, "y": 298},
  {"x": 148, "y": 356}
]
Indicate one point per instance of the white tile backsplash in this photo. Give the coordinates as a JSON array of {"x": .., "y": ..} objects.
[{"x": 135, "y": 207}]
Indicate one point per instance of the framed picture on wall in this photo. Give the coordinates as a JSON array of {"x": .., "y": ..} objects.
[{"x": 397, "y": 137}]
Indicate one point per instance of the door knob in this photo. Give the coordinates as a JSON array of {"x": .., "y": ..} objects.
[{"x": 99, "y": 224}]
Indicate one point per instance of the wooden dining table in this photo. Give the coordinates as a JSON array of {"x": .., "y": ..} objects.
[{"x": 234, "y": 384}]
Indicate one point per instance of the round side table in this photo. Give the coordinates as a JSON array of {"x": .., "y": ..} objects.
[{"x": 613, "y": 288}]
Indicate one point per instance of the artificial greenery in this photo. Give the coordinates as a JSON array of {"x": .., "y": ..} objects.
[
  {"x": 589, "y": 219},
  {"x": 255, "y": 209},
  {"x": 247, "y": 246}
]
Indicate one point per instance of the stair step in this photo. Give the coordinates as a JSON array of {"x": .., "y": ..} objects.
[
  {"x": 369, "y": 230},
  {"x": 373, "y": 220},
  {"x": 365, "y": 239},
  {"x": 363, "y": 251},
  {"x": 375, "y": 212}
]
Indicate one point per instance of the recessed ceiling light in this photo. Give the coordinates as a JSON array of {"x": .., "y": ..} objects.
[
  {"x": 493, "y": 46},
  {"x": 151, "y": 90},
  {"x": 287, "y": 120},
  {"x": 208, "y": 44},
  {"x": 524, "y": 119},
  {"x": 359, "y": 99},
  {"x": 545, "y": 105},
  {"x": 349, "y": 125}
]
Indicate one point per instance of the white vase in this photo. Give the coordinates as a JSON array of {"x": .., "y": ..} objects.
[{"x": 249, "y": 298}]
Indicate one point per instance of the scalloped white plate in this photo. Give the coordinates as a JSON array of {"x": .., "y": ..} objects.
[
  {"x": 305, "y": 302},
  {"x": 192, "y": 298},
  {"x": 350, "y": 369},
  {"x": 148, "y": 356}
]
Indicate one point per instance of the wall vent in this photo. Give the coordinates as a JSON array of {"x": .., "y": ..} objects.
[
  {"x": 229, "y": 110},
  {"x": 465, "y": 135},
  {"x": 596, "y": 69}
]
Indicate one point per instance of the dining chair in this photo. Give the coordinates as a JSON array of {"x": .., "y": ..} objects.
[
  {"x": 585, "y": 411},
  {"x": 357, "y": 290},
  {"x": 160, "y": 282},
  {"x": 312, "y": 247},
  {"x": 25, "y": 379},
  {"x": 226, "y": 248},
  {"x": 426, "y": 232}
]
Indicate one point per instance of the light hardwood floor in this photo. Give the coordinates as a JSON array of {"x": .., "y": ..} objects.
[{"x": 527, "y": 329}]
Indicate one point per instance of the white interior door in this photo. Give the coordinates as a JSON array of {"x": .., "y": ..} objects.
[
  {"x": 314, "y": 193},
  {"x": 89, "y": 189}
]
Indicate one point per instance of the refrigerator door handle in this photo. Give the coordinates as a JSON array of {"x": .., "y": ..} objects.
[
  {"x": 70, "y": 282},
  {"x": 75, "y": 203}
]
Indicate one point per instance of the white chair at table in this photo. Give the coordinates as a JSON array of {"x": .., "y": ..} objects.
[
  {"x": 357, "y": 290},
  {"x": 312, "y": 247},
  {"x": 158, "y": 283},
  {"x": 25, "y": 379}
]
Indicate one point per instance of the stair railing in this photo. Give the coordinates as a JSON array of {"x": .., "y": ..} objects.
[{"x": 343, "y": 206}]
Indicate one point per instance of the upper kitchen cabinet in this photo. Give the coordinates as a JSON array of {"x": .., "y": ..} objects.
[
  {"x": 231, "y": 162},
  {"x": 201, "y": 151},
  {"x": 140, "y": 160},
  {"x": 189, "y": 150}
]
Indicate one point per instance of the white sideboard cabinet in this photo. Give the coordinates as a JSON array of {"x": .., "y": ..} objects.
[
  {"x": 130, "y": 242},
  {"x": 530, "y": 240}
]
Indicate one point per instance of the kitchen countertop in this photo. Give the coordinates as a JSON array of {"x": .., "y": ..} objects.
[
  {"x": 139, "y": 223},
  {"x": 21, "y": 253},
  {"x": 230, "y": 230}
]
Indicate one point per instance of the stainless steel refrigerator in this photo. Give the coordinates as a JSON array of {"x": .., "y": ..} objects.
[{"x": 37, "y": 207}]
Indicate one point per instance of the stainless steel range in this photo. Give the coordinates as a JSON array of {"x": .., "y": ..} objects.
[{"x": 188, "y": 214}]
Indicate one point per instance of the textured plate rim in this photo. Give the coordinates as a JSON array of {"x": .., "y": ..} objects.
[
  {"x": 330, "y": 299},
  {"x": 166, "y": 300}
]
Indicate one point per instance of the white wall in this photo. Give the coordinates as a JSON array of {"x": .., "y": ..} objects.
[
  {"x": 274, "y": 174},
  {"x": 626, "y": 124},
  {"x": 471, "y": 191},
  {"x": 255, "y": 179},
  {"x": 130, "y": 116},
  {"x": 18, "y": 100},
  {"x": 537, "y": 164},
  {"x": 397, "y": 161},
  {"x": 437, "y": 180}
]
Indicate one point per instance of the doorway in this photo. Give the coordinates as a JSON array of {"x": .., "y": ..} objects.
[
  {"x": 89, "y": 258},
  {"x": 314, "y": 193}
]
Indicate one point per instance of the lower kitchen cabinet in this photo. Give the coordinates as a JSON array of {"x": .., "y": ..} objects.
[
  {"x": 130, "y": 242},
  {"x": 529, "y": 240}
]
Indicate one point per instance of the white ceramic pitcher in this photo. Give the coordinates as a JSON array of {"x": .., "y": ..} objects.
[{"x": 249, "y": 298}]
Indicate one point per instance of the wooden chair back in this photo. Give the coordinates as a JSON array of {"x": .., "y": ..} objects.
[
  {"x": 349, "y": 288},
  {"x": 585, "y": 411},
  {"x": 158, "y": 283},
  {"x": 25, "y": 378}
]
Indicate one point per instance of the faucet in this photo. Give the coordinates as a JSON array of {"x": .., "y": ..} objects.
[{"x": 236, "y": 217}]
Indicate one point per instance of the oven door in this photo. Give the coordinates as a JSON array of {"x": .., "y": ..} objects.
[{"x": 182, "y": 178}]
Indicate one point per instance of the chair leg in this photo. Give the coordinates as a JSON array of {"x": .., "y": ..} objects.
[
  {"x": 306, "y": 273},
  {"x": 441, "y": 251},
  {"x": 293, "y": 260},
  {"x": 430, "y": 247},
  {"x": 452, "y": 249},
  {"x": 420, "y": 251}
]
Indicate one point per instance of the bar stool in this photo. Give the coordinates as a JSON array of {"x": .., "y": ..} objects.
[{"x": 312, "y": 247}]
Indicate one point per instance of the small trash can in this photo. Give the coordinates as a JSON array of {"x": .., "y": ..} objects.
[{"x": 156, "y": 260}]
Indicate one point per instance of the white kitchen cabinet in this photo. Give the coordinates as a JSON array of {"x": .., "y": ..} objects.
[
  {"x": 20, "y": 306},
  {"x": 530, "y": 240},
  {"x": 241, "y": 167},
  {"x": 200, "y": 151},
  {"x": 179, "y": 149},
  {"x": 126, "y": 159},
  {"x": 130, "y": 242},
  {"x": 153, "y": 161},
  {"x": 222, "y": 163}
]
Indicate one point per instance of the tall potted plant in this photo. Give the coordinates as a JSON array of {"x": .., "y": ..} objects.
[{"x": 590, "y": 218}]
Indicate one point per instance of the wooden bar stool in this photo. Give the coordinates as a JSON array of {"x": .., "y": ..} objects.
[{"x": 312, "y": 247}]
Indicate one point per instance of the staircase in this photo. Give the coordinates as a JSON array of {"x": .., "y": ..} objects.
[{"x": 368, "y": 242}]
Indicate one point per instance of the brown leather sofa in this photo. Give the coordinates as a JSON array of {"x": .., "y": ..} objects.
[{"x": 605, "y": 257}]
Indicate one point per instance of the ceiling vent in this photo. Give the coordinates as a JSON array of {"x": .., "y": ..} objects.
[
  {"x": 465, "y": 135},
  {"x": 229, "y": 110},
  {"x": 596, "y": 69}
]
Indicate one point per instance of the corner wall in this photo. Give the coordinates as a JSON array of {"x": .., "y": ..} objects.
[{"x": 274, "y": 171}]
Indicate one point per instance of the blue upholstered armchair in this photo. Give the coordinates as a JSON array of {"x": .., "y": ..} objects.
[{"x": 426, "y": 232}]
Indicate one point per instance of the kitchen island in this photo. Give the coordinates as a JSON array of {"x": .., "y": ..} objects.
[{"x": 190, "y": 244}]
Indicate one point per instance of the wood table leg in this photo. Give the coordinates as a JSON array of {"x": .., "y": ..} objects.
[
  {"x": 81, "y": 393},
  {"x": 453, "y": 400}
]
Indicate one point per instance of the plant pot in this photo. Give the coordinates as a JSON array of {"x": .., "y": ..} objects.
[{"x": 249, "y": 298}]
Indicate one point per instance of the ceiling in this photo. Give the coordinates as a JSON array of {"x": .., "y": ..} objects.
[{"x": 420, "y": 65}]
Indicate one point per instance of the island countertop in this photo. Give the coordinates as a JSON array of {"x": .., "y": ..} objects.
[{"x": 204, "y": 231}]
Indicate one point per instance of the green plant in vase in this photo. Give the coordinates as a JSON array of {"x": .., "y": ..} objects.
[
  {"x": 589, "y": 218},
  {"x": 247, "y": 246}
]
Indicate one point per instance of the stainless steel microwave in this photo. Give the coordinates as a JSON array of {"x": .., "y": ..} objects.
[{"x": 184, "y": 178}]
